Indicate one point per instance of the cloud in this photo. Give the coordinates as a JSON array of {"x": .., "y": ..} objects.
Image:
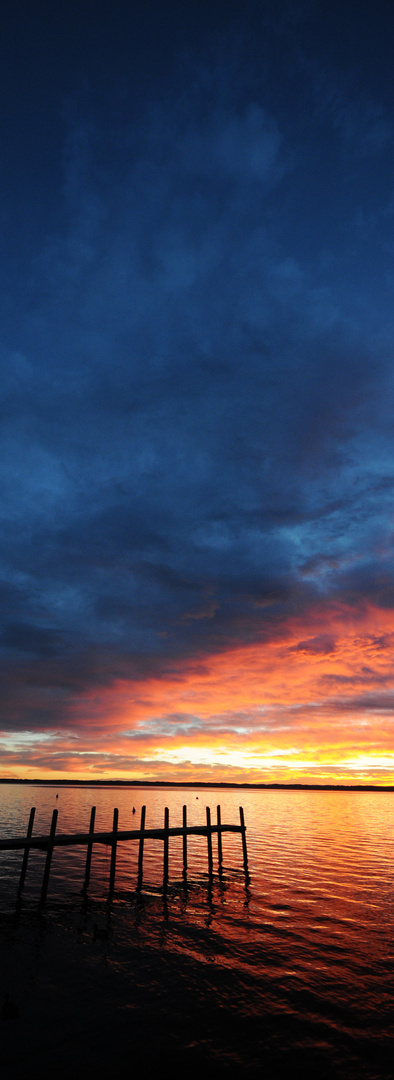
[
  {"x": 196, "y": 438},
  {"x": 322, "y": 643}
]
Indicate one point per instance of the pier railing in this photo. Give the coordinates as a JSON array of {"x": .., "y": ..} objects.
[{"x": 116, "y": 836}]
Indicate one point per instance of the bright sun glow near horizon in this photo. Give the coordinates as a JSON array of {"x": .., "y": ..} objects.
[{"x": 308, "y": 707}]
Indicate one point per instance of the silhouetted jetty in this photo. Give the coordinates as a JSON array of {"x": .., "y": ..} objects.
[{"x": 116, "y": 836}]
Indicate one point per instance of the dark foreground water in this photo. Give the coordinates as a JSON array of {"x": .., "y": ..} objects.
[{"x": 289, "y": 976}]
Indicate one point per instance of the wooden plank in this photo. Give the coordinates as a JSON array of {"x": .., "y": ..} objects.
[
  {"x": 89, "y": 849},
  {"x": 66, "y": 839},
  {"x": 27, "y": 849},
  {"x": 50, "y": 845}
]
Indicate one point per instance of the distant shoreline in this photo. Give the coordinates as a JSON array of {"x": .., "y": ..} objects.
[{"x": 197, "y": 784}]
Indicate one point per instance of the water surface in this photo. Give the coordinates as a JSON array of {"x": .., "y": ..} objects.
[{"x": 289, "y": 973}]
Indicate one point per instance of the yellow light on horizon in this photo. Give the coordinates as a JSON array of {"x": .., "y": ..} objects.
[{"x": 222, "y": 755}]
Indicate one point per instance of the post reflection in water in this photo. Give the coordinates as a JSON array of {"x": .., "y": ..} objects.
[{"x": 288, "y": 972}]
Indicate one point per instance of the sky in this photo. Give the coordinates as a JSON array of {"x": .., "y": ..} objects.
[{"x": 196, "y": 372}]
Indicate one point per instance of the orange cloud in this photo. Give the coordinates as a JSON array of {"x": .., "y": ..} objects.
[{"x": 316, "y": 704}]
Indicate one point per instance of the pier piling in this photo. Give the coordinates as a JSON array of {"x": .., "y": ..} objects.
[
  {"x": 220, "y": 850},
  {"x": 165, "y": 853},
  {"x": 141, "y": 848},
  {"x": 89, "y": 849},
  {"x": 184, "y": 842},
  {"x": 113, "y": 852},
  {"x": 49, "y": 856},
  {"x": 27, "y": 849},
  {"x": 209, "y": 844},
  {"x": 244, "y": 848}
]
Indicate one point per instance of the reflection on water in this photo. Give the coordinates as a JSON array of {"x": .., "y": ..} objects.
[{"x": 292, "y": 972}]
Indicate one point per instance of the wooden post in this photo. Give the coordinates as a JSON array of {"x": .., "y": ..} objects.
[
  {"x": 49, "y": 856},
  {"x": 184, "y": 839},
  {"x": 244, "y": 849},
  {"x": 89, "y": 850},
  {"x": 209, "y": 842},
  {"x": 27, "y": 849},
  {"x": 220, "y": 852},
  {"x": 113, "y": 852},
  {"x": 141, "y": 848},
  {"x": 165, "y": 857}
]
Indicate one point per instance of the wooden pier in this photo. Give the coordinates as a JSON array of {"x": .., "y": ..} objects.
[{"x": 116, "y": 836}]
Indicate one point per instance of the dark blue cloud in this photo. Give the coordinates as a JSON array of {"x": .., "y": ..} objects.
[{"x": 197, "y": 333}]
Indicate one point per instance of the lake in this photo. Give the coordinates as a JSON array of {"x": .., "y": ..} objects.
[{"x": 287, "y": 974}]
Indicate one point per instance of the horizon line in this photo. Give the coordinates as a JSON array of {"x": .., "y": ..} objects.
[{"x": 197, "y": 784}]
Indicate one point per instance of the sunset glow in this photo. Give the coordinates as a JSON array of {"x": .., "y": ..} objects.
[{"x": 306, "y": 707}]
